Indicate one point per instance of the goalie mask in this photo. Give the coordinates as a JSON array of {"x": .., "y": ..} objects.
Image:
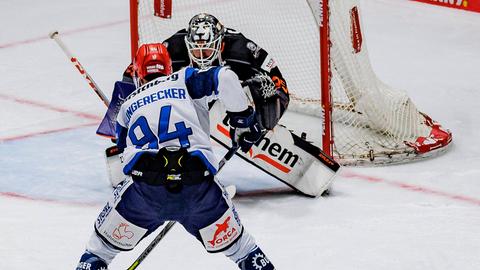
[
  {"x": 204, "y": 39},
  {"x": 152, "y": 61}
]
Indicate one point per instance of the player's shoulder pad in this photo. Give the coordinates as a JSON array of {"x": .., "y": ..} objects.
[
  {"x": 234, "y": 36},
  {"x": 230, "y": 32},
  {"x": 241, "y": 45},
  {"x": 201, "y": 83}
]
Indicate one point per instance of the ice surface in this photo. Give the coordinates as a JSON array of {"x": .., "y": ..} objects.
[{"x": 423, "y": 215}]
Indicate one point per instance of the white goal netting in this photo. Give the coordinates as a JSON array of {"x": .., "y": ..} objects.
[{"x": 371, "y": 121}]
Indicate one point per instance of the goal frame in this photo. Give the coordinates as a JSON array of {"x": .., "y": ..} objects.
[
  {"x": 325, "y": 78},
  {"x": 370, "y": 148},
  {"x": 325, "y": 73}
]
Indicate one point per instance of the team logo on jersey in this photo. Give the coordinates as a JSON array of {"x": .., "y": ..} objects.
[
  {"x": 254, "y": 48},
  {"x": 221, "y": 233},
  {"x": 122, "y": 231},
  {"x": 251, "y": 46}
]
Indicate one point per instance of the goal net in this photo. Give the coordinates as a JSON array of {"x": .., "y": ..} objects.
[{"x": 336, "y": 98}]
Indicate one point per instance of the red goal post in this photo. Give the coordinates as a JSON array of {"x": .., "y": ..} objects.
[
  {"x": 325, "y": 75},
  {"x": 161, "y": 9}
]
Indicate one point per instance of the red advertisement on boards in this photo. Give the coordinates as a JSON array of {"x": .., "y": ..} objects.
[{"x": 470, "y": 5}]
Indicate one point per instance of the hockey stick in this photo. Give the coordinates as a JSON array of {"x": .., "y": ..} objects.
[
  {"x": 170, "y": 224},
  {"x": 54, "y": 35}
]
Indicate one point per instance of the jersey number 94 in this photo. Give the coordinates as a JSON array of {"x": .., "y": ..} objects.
[{"x": 149, "y": 138}]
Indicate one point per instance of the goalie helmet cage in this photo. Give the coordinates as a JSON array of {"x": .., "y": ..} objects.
[{"x": 321, "y": 51}]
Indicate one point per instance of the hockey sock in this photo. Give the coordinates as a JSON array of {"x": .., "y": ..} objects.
[{"x": 256, "y": 260}]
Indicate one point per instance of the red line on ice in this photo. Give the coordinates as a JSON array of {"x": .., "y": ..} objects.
[
  {"x": 33, "y": 199},
  {"x": 41, "y": 38},
  {"x": 411, "y": 187},
  {"x": 44, "y": 132},
  {"x": 49, "y": 107}
]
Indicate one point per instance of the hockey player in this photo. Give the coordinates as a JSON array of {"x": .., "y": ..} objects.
[
  {"x": 170, "y": 166},
  {"x": 209, "y": 43},
  {"x": 206, "y": 42}
]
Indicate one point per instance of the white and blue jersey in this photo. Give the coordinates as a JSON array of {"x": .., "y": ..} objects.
[{"x": 173, "y": 111}]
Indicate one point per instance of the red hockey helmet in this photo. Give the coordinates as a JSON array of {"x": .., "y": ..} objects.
[{"x": 152, "y": 60}]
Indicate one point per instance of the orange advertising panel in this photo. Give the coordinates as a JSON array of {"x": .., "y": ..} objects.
[{"x": 471, "y": 5}]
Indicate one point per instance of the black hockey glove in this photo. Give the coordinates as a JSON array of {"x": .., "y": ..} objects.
[
  {"x": 244, "y": 129},
  {"x": 269, "y": 97}
]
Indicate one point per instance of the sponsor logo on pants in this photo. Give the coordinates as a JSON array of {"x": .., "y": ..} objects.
[{"x": 221, "y": 233}]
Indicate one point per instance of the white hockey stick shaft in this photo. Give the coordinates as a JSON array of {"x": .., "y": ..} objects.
[
  {"x": 55, "y": 36},
  {"x": 170, "y": 224}
]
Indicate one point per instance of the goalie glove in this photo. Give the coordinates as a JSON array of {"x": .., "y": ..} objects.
[
  {"x": 244, "y": 129},
  {"x": 263, "y": 85},
  {"x": 270, "y": 98}
]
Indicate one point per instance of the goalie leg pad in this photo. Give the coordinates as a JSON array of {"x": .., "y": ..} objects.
[{"x": 283, "y": 155}]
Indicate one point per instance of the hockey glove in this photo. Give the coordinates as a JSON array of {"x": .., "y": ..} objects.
[
  {"x": 269, "y": 97},
  {"x": 244, "y": 129}
]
